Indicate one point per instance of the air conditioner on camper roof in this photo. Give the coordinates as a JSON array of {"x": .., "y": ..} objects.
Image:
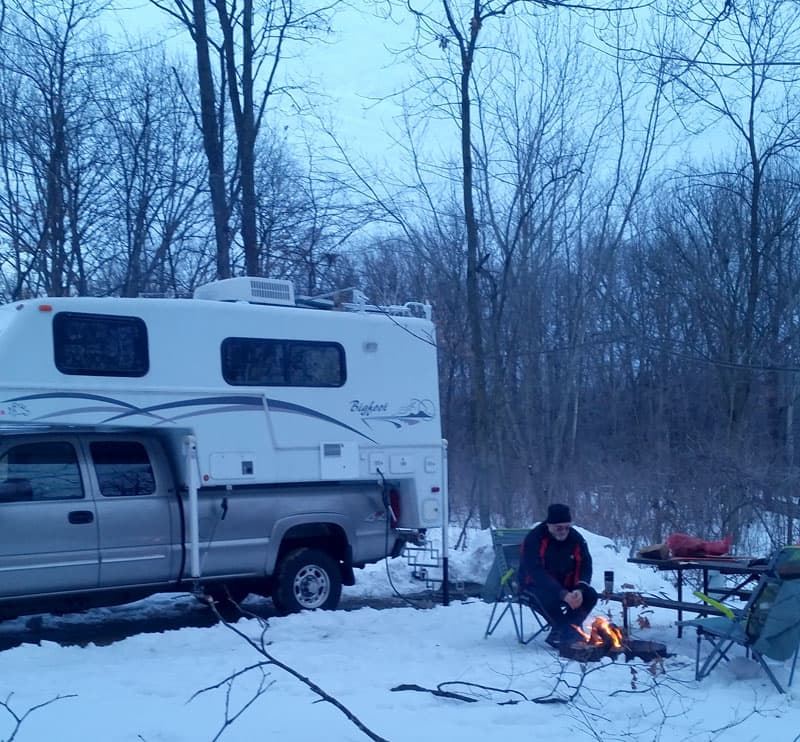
[{"x": 248, "y": 288}]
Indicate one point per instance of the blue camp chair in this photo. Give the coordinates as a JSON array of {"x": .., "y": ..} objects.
[
  {"x": 502, "y": 589},
  {"x": 767, "y": 627}
]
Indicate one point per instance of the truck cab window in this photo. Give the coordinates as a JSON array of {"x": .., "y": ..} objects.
[
  {"x": 46, "y": 470},
  {"x": 123, "y": 468}
]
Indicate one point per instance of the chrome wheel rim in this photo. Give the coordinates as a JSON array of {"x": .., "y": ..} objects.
[{"x": 312, "y": 586}]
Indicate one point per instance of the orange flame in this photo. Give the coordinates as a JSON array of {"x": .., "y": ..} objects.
[
  {"x": 586, "y": 637},
  {"x": 602, "y": 632}
]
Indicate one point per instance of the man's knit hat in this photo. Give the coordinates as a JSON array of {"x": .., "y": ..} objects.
[{"x": 558, "y": 513}]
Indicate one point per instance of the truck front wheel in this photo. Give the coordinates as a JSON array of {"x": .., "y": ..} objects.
[{"x": 306, "y": 579}]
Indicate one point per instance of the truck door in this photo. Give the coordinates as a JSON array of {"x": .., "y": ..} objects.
[
  {"x": 48, "y": 526},
  {"x": 135, "y": 516}
]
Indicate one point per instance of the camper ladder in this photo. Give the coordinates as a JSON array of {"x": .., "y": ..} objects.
[{"x": 426, "y": 565}]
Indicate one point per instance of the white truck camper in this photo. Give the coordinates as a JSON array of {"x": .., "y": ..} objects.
[{"x": 244, "y": 440}]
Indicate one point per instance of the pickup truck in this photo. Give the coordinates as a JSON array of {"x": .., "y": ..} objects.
[{"x": 94, "y": 518}]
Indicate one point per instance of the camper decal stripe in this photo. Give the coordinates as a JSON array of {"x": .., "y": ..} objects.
[
  {"x": 231, "y": 403},
  {"x": 71, "y": 395},
  {"x": 112, "y": 404},
  {"x": 210, "y": 411},
  {"x": 254, "y": 402},
  {"x": 86, "y": 410},
  {"x": 276, "y": 405},
  {"x": 211, "y": 405}
]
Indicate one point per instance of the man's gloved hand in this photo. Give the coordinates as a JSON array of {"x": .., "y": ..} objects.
[{"x": 574, "y": 599}]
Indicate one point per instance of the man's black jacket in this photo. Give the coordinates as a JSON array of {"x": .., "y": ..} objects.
[{"x": 553, "y": 568}]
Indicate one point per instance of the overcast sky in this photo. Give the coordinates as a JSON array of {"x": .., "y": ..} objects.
[{"x": 353, "y": 70}]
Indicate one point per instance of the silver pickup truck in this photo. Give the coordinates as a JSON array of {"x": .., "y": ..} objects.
[{"x": 91, "y": 519}]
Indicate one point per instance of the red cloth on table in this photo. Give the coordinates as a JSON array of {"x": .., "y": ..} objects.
[{"x": 682, "y": 545}]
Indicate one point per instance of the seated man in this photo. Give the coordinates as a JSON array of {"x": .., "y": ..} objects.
[{"x": 555, "y": 572}]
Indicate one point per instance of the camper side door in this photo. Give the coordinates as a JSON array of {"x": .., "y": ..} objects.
[{"x": 48, "y": 524}]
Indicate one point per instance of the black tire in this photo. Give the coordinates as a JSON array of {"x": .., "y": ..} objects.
[{"x": 307, "y": 579}]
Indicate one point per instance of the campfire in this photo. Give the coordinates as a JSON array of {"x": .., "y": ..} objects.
[
  {"x": 604, "y": 639},
  {"x": 604, "y": 633}
]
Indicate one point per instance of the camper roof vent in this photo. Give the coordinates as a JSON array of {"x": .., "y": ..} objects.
[{"x": 248, "y": 288}]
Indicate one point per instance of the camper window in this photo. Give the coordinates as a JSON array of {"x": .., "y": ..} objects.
[
  {"x": 49, "y": 470},
  {"x": 100, "y": 345},
  {"x": 261, "y": 362},
  {"x": 122, "y": 468}
]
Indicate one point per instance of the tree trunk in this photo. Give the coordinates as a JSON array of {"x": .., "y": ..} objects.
[
  {"x": 474, "y": 315},
  {"x": 247, "y": 144},
  {"x": 211, "y": 140}
]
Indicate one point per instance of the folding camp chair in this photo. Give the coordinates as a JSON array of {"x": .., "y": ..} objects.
[
  {"x": 768, "y": 626},
  {"x": 501, "y": 587}
]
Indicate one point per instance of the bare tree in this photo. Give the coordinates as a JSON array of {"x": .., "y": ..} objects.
[
  {"x": 456, "y": 30},
  {"x": 736, "y": 72},
  {"x": 248, "y": 43},
  {"x": 307, "y": 217},
  {"x": 19, "y": 719},
  {"x": 742, "y": 80},
  {"x": 157, "y": 175},
  {"x": 260, "y": 646},
  {"x": 52, "y": 153}
]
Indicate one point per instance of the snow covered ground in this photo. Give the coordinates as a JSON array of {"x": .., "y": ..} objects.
[{"x": 142, "y": 688}]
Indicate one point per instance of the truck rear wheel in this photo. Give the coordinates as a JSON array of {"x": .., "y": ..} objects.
[{"x": 306, "y": 579}]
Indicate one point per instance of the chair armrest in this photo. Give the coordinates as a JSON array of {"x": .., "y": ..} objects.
[
  {"x": 726, "y": 611},
  {"x": 507, "y": 576}
]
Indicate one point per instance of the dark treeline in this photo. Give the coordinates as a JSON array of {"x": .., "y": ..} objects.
[{"x": 639, "y": 309}]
